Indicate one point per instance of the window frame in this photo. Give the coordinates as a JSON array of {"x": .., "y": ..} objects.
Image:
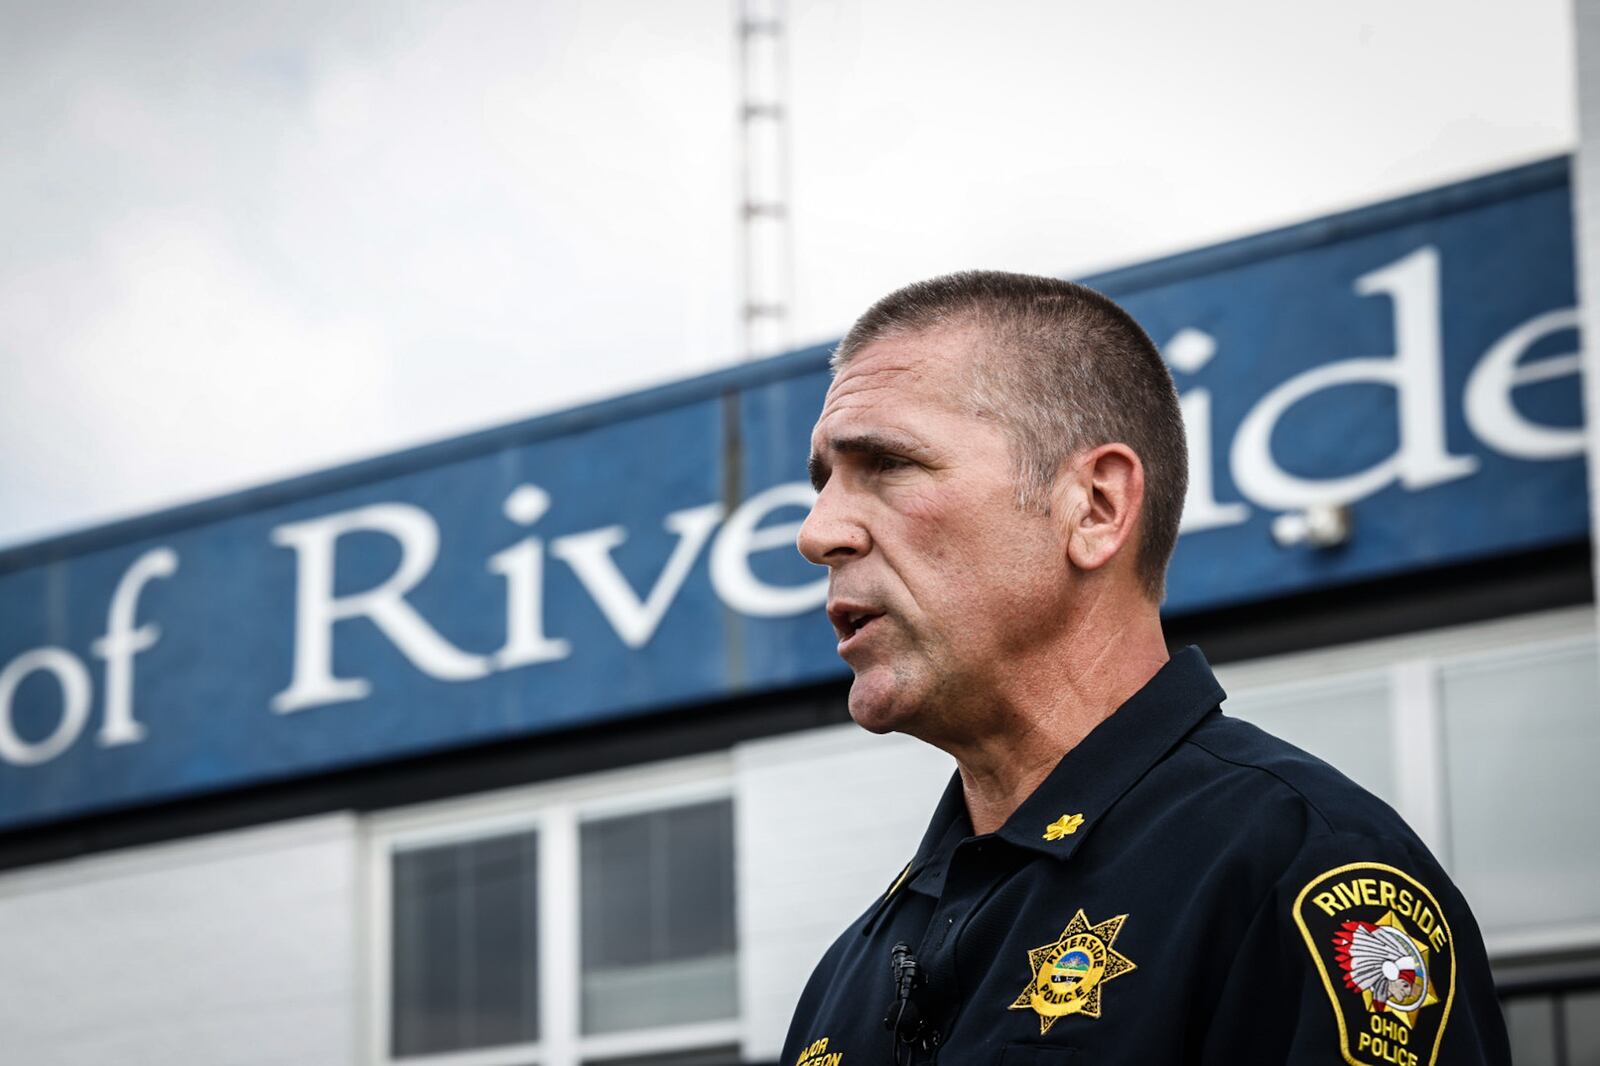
[{"x": 555, "y": 810}]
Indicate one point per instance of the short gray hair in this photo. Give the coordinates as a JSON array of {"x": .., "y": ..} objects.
[{"x": 1068, "y": 370}]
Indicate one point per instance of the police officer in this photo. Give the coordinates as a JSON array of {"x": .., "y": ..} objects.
[{"x": 1117, "y": 872}]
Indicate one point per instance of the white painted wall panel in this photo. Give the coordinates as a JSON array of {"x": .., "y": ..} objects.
[
  {"x": 231, "y": 950},
  {"x": 824, "y": 821}
]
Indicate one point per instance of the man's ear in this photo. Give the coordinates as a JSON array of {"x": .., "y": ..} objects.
[{"x": 1100, "y": 495}]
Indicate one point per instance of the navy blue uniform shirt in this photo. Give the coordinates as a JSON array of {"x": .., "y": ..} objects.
[{"x": 1182, "y": 888}]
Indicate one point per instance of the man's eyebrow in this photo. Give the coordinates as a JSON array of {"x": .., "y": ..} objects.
[
  {"x": 818, "y": 469},
  {"x": 867, "y": 444}
]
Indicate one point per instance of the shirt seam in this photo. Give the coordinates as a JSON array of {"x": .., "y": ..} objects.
[{"x": 1327, "y": 823}]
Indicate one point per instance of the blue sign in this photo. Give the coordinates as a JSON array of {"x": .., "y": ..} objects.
[{"x": 1411, "y": 366}]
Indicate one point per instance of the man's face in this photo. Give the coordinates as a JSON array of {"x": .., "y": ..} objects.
[{"x": 938, "y": 582}]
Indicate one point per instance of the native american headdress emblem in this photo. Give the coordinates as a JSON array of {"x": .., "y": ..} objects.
[{"x": 1384, "y": 961}]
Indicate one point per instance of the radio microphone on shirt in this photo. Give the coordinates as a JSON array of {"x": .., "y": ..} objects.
[{"x": 905, "y": 1018}]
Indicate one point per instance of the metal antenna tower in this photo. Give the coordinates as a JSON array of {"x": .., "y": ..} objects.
[{"x": 766, "y": 267}]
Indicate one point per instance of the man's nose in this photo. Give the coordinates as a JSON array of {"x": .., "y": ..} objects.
[{"x": 830, "y": 535}]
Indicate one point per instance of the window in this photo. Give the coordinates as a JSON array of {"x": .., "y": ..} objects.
[
  {"x": 1555, "y": 1027},
  {"x": 1521, "y": 730},
  {"x": 658, "y": 923},
  {"x": 465, "y": 945},
  {"x": 586, "y": 922}
]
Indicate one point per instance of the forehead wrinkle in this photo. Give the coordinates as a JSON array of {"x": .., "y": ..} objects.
[
  {"x": 886, "y": 386},
  {"x": 911, "y": 381},
  {"x": 939, "y": 353},
  {"x": 873, "y": 379}
]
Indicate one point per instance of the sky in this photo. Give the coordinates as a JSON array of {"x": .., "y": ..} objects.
[{"x": 247, "y": 241}]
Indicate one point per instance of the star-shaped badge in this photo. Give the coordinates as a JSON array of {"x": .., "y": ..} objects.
[{"x": 1068, "y": 974}]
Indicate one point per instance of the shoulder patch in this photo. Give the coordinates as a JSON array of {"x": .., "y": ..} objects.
[{"x": 1381, "y": 945}]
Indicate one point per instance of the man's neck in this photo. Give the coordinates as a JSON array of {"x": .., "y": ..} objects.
[{"x": 1043, "y": 718}]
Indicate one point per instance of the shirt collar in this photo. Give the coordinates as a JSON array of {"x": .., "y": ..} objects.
[
  {"x": 949, "y": 826},
  {"x": 1089, "y": 779}
]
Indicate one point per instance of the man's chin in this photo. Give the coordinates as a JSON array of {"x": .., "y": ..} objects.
[{"x": 878, "y": 704}]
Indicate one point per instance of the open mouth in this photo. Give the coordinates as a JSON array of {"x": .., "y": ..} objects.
[{"x": 851, "y": 625}]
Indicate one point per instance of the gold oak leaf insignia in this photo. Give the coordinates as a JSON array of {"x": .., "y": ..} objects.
[
  {"x": 1069, "y": 973},
  {"x": 1064, "y": 826}
]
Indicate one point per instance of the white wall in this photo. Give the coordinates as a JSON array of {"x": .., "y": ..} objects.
[
  {"x": 230, "y": 950},
  {"x": 824, "y": 820}
]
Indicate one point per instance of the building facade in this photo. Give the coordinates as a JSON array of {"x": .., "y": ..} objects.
[{"x": 530, "y": 746}]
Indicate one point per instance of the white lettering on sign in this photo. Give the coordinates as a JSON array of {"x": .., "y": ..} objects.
[
  {"x": 1414, "y": 372},
  {"x": 735, "y": 583},
  {"x": 385, "y": 605},
  {"x": 73, "y": 678},
  {"x": 1490, "y": 412},
  {"x": 589, "y": 555},
  {"x": 1188, "y": 351},
  {"x": 634, "y": 619},
  {"x": 122, "y": 641},
  {"x": 522, "y": 565}
]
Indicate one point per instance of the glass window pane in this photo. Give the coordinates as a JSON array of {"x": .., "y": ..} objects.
[
  {"x": 658, "y": 923},
  {"x": 465, "y": 938},
  {"x": 1531, "y": 1024},
  {"x": 1582, "y": 1010},
  {"x": 1344, "y": 723},
  {"x": 1520, "y": 734}
]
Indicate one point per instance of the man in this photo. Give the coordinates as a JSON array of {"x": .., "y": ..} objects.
[{"x": 1117, "y": 872}]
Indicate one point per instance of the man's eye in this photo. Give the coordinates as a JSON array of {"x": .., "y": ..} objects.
[{"x": 884, "y": 463}]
